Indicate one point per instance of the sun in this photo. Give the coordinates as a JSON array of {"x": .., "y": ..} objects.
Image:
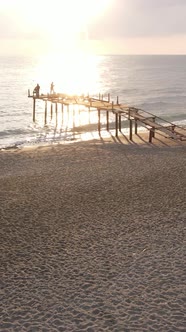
[{"x": 63, "y": 22}]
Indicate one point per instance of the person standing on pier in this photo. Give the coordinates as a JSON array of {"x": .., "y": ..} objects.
[
  {"x": 36, "y": 90},
  {"x": 52, "y": 88}
]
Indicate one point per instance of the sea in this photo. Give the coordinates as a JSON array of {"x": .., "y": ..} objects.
[{"x": 154, "y": 83}]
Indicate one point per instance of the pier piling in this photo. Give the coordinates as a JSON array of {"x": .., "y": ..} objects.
[
  {"x": 51, "y": 111},
  {"x": 45, "y": 113},
  {"x": 120, "y": 123},
  {"x": 136, "y": 126},
  {"x": 56, "y": 115},
  {"x": 150, "y": 135},
  {"x": 62, "y": 112},
  {"x": 99, "y": 122},
  {"x": 34, "y": 110},
  {"x": 107, "y": 120},
  {"x": 130, "y": 130},
  {"x": 116, "y": 124}
]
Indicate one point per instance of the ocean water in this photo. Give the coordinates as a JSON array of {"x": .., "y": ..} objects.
[{"x": 156, "y": 84}]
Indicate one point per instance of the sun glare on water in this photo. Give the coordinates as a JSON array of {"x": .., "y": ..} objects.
[{"x": 71, "y": 74}]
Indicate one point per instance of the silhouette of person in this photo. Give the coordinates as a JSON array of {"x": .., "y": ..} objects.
[
  {"x": 36, "y": 90},
  {"x": 52, "y": 88}
]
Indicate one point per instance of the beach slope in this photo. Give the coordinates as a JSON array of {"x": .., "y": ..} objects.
[{"x": 93, "y": 238}]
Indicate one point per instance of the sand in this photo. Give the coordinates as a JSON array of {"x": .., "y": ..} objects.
[{"x": 93, "y": 237}]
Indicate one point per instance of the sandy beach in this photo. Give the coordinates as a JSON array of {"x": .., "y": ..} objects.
[{"x": 93, "y": 237}]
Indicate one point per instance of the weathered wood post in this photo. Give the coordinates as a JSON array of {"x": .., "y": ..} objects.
[
  {"x": 109, "y": 97},
  {"x": 62, "y": 113},
  {"x": 130, "y": 130},
  {"x": 119, "y": 122},
  {"x": 129, "y": 114},
  {"x": 130, "y": 125},
  {"x": 136, "y": 126},
  {"x": 116, "y": 124},
  {"x": 107, "y": 118},
  {"x": 150, "y": 135},
  {"x": 34, "y": 109},
  {"x": 51, "y": 111},
  {"x": 99, "y": 121},
  {"x": 73, "y": 118},
  {"x": 45, "y": 112},
  {"x": 68, "y": 113},
  {"x": 117, "y": 100},
  {"x": 153, "y": 129},
  {"x": 56, "y": 116}
]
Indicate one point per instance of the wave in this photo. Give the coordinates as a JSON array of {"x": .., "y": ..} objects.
[
  {"x": 41, "y": 140},
  {"x": 14, "y": 132}
]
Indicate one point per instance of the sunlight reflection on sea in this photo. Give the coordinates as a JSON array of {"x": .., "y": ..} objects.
[{"x": 71, "y": 74}]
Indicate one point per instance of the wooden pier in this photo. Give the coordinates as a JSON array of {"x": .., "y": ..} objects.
[{"x": 134, "y": 115}]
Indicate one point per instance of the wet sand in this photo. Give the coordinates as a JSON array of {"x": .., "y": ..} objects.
[{"x": 93, "y": 237}]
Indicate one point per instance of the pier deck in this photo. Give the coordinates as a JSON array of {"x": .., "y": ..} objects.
[{"x": 134, "y": 115}]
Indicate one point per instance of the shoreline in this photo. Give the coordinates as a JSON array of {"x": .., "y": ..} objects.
[{"x": 141, "y": 139}]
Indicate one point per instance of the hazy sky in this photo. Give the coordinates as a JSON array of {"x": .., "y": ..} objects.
[{"x": 103, "y": 26}]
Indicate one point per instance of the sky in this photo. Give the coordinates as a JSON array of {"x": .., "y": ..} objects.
[{"x": 95, "y": 26}]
